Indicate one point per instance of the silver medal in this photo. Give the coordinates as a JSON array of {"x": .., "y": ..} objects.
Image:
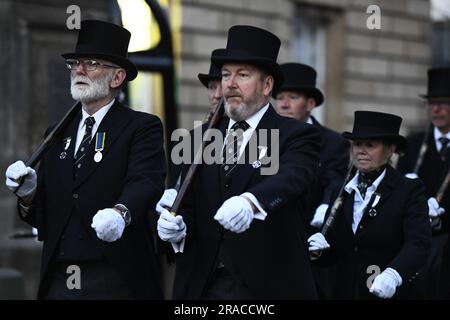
[{"x": 98, "y": 157}]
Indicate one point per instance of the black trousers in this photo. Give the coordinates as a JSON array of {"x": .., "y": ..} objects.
[
  {"x": 97, "y": 280},
  {"x": 224, "y": 286}
]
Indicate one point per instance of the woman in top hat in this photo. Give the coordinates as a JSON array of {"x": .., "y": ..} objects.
[{"x": 381, "y": 237}]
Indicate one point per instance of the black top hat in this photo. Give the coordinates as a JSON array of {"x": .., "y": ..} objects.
[
  {"x": 370, "y": 125},
  {"x": 103, "y": 40},
  {"x": 438, "y": 83},
  {"x": 214, "y": 72},
  {"x": 252, "y": 45},
  {"x": 300, "y": 77}
]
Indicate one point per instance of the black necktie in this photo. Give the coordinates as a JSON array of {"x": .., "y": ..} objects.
[
  {"x": 366, "y": 179},
  {"x": 444, "y": 149},
  {"x": 232, "y": 145},
  {"x": 83, "y": 148}
]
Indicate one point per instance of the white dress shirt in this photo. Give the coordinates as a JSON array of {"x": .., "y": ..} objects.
[
  {"x": 360, "y": 203},
  {"x": 98, "y": 116},
  {"x": 253, "y": 122}
]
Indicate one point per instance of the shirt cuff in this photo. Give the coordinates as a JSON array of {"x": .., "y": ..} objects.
[
  {"x": 262, "y": 214},
  {"x": 179, "y": 246}
]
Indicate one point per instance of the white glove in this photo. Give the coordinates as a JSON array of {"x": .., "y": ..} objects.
[
  {"x": 317, "y": 242},
  {"x": 235, "y": 214},
  {"x": 434, "y": 210},
  {"x": 319, "y": 215},
  {"x": 412, "y": 175},
  {"x": 171, "y": 228},
  {"x": 166, "y": 200},
  {"x": 108, "y": 225},
  {"x": 17, "y": 171},
  {"x": 385, "y": 283}
]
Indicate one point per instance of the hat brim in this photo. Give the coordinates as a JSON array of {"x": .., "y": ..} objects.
[
  {"x": 267, "y": 65},
  {"x": 314, "y": 93},
  {"x": 398, "y": 140},
  {"x": 435, "y": 95},
  {"x": 206, "y": 78},
  {"x": 126, "y": 64}
]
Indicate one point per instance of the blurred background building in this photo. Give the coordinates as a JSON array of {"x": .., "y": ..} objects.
[{"x": 358, "y": 69}]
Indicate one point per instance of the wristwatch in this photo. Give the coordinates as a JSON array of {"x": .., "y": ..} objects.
[{"x": 123, "y": 211}]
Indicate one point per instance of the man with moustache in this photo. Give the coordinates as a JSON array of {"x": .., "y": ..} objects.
[
  {"x": 433, "y": 168},
  {"x": 98, "y": 183},
  {"x": 246, "y": 240}
]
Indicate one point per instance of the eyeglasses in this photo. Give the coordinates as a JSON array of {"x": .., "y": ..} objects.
[
  {"x": 88, "y": 65},
  {"x": 437, "y": 103}
]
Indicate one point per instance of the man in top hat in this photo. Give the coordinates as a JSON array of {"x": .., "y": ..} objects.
[
  {"x": 296, "y": 98},
  {"x": 433, "y": 164},
  {"x": 247, "y": 238},
  {"x": 212, "y": 82},
  {"x": 97, "y": 185}
]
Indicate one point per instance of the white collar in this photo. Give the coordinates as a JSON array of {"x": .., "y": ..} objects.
[
  {"x": 253, "y": 121},
  {"x": 438, "y": 134},
  {"x": 99, "y": 115},
  {"x": 353, "y": 184}
]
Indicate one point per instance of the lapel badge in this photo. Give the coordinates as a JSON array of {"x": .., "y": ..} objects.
[
  {"x": 256, "y": 164},
  {"x": 262, "y": 152},
  {"x": 372, "y": 211},
  {"x": 66, "y": 141}
]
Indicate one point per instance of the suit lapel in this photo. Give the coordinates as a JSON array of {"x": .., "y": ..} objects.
[
  {"x": 112, "y": 125},
  {"x": 64, "y": 157}
]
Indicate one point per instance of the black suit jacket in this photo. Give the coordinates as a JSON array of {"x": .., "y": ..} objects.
[
  {"x": 131, "y": 172},
  {"x": 398, "y": 236},
  {"x": 334, "y": 159},
  {"x": 270, "y": 258},
  {"x": 432, "y": 171}
]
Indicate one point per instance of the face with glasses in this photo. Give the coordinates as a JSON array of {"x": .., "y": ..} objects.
[
  {"x": 92, "y": 79},
  {"x": 438, "y": 110}
]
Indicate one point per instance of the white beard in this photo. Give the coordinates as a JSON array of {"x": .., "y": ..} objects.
[{"x": 94, "y": 91}]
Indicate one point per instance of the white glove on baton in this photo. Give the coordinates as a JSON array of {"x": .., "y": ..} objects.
[
  {"x": 171, "y": 228},
  {"x": 319, "y": 215},
  {"x": 235, "y": 214},
  {"x": 385, "y": 284},
  {"x": 108, "y": 224},
  {"x": 17, "y": 171},
  {"x": 434, "y": 210},
  {"x": 317, "y": 242},
  {"x": 167, "y": 200}
]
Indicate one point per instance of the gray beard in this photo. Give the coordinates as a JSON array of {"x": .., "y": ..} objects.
[{"x": 98, "y": 89}]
